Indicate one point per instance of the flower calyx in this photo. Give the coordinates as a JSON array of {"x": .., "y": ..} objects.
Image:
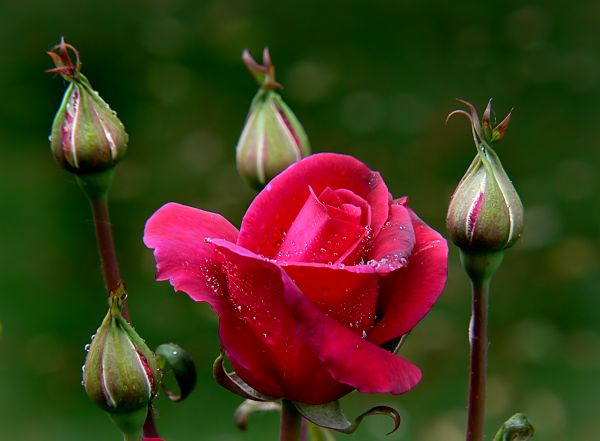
[
  {"x": 485, "y": 214},
  {"x": 87, "y": 137},
  {"x": 264, "y": 74}
]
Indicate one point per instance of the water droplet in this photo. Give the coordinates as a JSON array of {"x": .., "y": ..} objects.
[
  {"x": 207, "y": 240},
  {"x": 364, "y": 334},
  {"x": 253, "y": 317},
  {"x": 86, "y": 348}
]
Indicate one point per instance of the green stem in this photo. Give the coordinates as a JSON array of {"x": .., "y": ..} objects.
[
  {"x": 478, "y": 335},
  {"x": 290, "y": 422}
]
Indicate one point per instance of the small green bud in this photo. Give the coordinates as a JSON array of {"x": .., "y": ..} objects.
[
  {"x": 87, "y": 137},
  {"x": 120, "y": 373},
  {"x": 272, "y": 138},
  {"x": 485, "y": 212}
]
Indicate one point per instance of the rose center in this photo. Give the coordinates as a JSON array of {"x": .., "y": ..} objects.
[{"x": 329, "y": 228}]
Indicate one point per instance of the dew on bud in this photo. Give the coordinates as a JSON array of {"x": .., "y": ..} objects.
[
  {"x": 485, "y": 212},
  {"x": 87, "y": 137},
  {"x": 272, "y": 138}
]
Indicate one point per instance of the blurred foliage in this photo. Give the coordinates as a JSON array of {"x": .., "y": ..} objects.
[{"x": 372, "y": 79}]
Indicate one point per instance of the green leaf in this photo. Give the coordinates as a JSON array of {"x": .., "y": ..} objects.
[
  {"x": 172, "y": 357},
  {"x": 516, "y": 428},
  {"x": 331, "y": 416}
]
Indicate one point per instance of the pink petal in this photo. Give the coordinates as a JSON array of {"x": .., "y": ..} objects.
[
  {"x": 316, "y": 236},
  {"x": 349, "y": 358},
  {"x": 408, "y": 294},
  {"x": 273, "y": 211},
  {"x": 177, "y": 234},
  {"x": 392, "y": 247},
  {"x": 254, "y": 289},
  {"x": 350, "y": 298}
]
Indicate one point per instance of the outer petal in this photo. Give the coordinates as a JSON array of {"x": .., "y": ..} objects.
[
  {"x": 275, "y": 208},
  {"x": 350, "y": 298},
  {"x": 408, "y": 294},
  {"x": 349, "y": 358},
  {"x": 177, "y": 234},
  {"x": 254, "y": 289}
]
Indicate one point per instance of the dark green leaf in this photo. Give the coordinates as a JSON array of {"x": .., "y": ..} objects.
[
  {"x": 516, "y": 428},
  {"x": 171, "y": 357},
  {"x": 330, "y": 416}
]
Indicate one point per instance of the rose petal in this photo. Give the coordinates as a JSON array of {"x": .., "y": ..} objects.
[
  {"x": 348, "y": 201},
  {"x": 350, "y": 298},
  {"x": 408, "y": 294},
  {"x": 349, "y": 358},
  {"x": 254, "y": 289},
  {"x": 316, "y": 236},
  {"x": 177, "y": 234},
  {"x": 272, "y": 212},
  {"x": 392, "y": 247}
]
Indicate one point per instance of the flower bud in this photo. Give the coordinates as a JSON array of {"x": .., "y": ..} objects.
[
  {"x": 87, "y": 137},
  {"x": 272, "y": 138},
  {"x": 120, "y": 372},
  {"x": 485, "y": 212}
]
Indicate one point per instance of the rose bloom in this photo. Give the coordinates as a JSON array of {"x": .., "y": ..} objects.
[{"x": 325, "y": 269}]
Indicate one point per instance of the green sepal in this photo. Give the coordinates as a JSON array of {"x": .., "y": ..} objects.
[
  {"x": 233, "y": 383},
  {"x": 331, "y": 416},
  {"x": 172, "y": 357},
  {"x": 249, "y": 407},
  {"x": 516, "y": 428}
]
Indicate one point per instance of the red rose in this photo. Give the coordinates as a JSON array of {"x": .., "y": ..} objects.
[{"x": 325, "y": 269}]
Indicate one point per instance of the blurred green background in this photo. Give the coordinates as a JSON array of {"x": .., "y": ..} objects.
[{"x": 373, "y": 79}]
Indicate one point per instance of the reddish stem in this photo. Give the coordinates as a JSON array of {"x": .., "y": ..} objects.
[
  {"x": 106, "y": 248},
  {"x": 290, "y": 422},
  {"x": 150, "y": 430},
  {"x": 478, "y": 364}
]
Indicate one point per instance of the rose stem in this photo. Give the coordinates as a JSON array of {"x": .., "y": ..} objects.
[
  {"x": 478, "y": 361},
  {"x": 112, "y": 275},
  {"x": 106, "y": 247},
  {"x": 290, "y": 422}
]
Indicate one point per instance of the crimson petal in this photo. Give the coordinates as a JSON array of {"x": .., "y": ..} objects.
[
  {"x": 408, "y": 294},
  {"x": 349, "y": 358},
  {"x": 177, "y": 234},
  {"x": 254, "y": 289},
  {"x": 272, "y": 212}
]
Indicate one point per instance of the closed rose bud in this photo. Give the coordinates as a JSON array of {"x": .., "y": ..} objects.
[
  {"x": 485, "y": 212},
  {"x": 87, "y": 137},
  {"x": 120, "y": 373},
  {"x": 272, "y": 138}
]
